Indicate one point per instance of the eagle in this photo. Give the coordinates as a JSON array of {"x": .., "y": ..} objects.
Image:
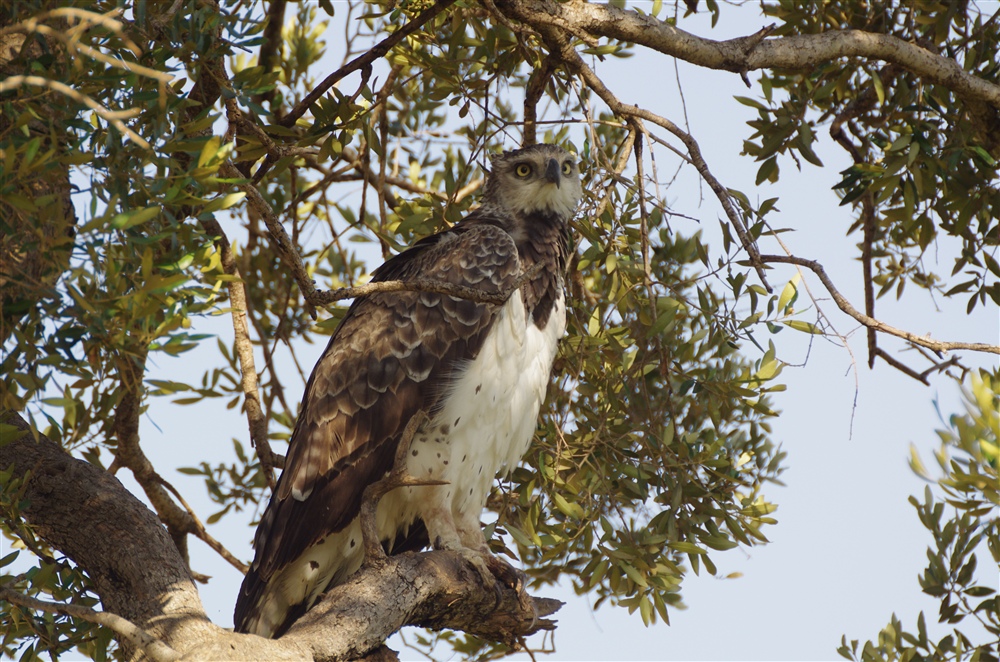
[{"x": 475, "y": 373}]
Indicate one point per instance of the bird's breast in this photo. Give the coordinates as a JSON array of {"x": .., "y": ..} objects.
[{"x": 490, "y": 412}]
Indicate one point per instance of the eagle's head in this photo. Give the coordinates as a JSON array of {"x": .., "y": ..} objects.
[{"x": 541, "y": 178}]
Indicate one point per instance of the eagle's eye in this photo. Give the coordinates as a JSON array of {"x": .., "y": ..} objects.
[
  {"x": 567, "y": 167},
  {"x": 523, "y": 170}
]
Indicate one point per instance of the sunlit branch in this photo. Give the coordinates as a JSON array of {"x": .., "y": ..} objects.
[
  {"x": 751, "y": 52},
  {"x": 113, "y": 117},
  {"x": 151, "y": 646},
  {"x": 244, "y": 351}
]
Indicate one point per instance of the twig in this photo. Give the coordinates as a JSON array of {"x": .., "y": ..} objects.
[
  {"x": 365, "y": 60},
  {"x": 277, "y": 231},
  {"x": 870, "y": 322},
  {"x": 113, "y": 117},
  {"x": 244, "y": 351},
  {"x": 201, "y": 532},
  {"x": 868, "y": 216},
  {"x": 142, "y": 640},
  {"x": 898, "y": 365}
]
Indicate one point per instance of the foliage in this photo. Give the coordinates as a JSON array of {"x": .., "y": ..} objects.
[
  {"x": 654, "y": 447},
  {"x": 962, "y": 521},
  {"x": 925, "y": 162}
]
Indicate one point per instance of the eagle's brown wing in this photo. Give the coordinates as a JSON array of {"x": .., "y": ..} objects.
[{"x": 392, "y": 356}]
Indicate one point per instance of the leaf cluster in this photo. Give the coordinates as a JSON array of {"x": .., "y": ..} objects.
[
  {"x": 964, "y": 526},
  {"x": 925, "y": 161}
]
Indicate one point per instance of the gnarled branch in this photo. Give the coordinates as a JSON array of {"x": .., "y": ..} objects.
[{"x": 750, "y": 53}]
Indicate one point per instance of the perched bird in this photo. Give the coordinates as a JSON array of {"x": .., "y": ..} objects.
[{"x": 475, "y": 372}]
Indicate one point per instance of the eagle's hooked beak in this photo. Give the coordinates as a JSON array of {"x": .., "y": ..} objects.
[{"x": 552, "y": 172}]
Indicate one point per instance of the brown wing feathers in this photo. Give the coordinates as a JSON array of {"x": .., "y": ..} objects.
[{"x": 392, "y": 356}]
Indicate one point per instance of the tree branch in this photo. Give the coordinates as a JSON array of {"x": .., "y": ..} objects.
[
  {"x": 139, "y": 638},
  {"x": 365, "y": 60},
  {"x": 244, "y": 351},
  {"x": 747, "y": 53},
  {"x": 433, "y": 589},
  {"x": 872, "y": 323},
  {"x": 129, "y": 453},
  {"x": 87, "y": 514}
]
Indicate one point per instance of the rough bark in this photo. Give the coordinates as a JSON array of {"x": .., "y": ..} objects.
[{"x": 751, "y": 52}]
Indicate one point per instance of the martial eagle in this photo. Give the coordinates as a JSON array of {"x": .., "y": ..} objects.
[{"x": 475, "y": 372}]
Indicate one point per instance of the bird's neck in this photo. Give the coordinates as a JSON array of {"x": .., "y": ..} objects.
[{"x": 545, "y": 241}]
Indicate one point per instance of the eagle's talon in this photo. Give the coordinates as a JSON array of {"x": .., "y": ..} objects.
[{"x": 515, "y": 579}]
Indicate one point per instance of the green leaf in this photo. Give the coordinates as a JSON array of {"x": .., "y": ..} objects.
[
  {"x": 7, "y": 560},
  {"x": 566, "y": 508},
  {"x": 687, "y": 547},
  {"x": 135, "y": 217},
  {"x": 223, "y": 202},
  {"x": 789, "y": 293},
  {"x": 805, "y": 327}
]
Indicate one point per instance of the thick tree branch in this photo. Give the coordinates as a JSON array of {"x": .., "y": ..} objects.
[
  {"x": 86, "y": 513},
  {"x": 434, "y": 589},
  {"x": 748, "y": 53},
  {"x": 871, "y": 323}
]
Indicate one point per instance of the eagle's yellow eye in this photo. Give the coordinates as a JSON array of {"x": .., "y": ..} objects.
[
  {"x": 523, "y": 170},
  {"x": 567, "y": 167}
]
